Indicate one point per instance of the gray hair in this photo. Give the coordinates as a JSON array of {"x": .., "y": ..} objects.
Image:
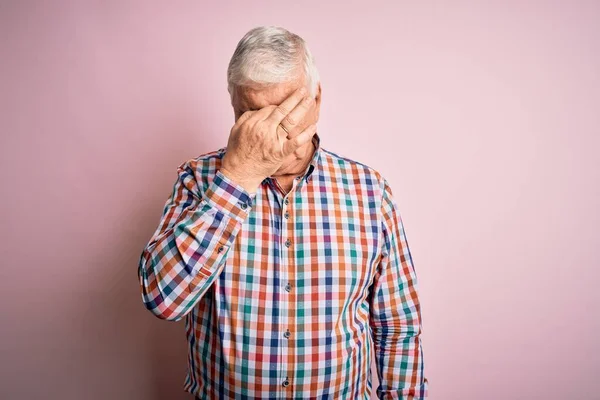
[{"x": 268, "y": 55}]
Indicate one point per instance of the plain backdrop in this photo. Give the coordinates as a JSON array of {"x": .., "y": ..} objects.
[{"x": 483, "y": 115}]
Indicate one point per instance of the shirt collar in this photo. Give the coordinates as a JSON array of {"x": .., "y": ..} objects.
[{"x": 316, "y": 139}]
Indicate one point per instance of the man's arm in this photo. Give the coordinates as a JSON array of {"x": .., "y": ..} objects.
[
  {"x": 185, "y": 254},
  {"x": 395, "y": 312}
]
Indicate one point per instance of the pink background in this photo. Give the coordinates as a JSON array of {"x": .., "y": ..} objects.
[{"x": 484, "y": 117}]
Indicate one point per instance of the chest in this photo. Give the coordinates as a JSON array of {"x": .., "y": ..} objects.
[
  {"x": 302, "y": 262},
  {"x": 321, "y": 241}
]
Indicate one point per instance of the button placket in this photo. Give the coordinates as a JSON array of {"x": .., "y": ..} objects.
[{"x": 286, "y": 256}]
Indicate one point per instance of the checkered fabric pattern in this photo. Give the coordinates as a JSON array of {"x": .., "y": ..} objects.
[{"x": 288, "y": 296}]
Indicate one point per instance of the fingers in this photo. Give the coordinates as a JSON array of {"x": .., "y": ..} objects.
[
  {"x": 264, "y": 112},
  {"x": 282, "y": 134},
  {"x": 293, "y": 119},
  {"x": 256, "y": 115},
  {"x": 290, "y": 145},
  {"x": 281, "y": 111}
]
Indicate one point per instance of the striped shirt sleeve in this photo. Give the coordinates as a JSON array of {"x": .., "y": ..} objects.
[
  {"x": 185, "y": 254},
  {"x": 395, "y": 312}
]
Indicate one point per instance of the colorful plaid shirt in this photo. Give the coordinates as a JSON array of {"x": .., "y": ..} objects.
[{"x": 287, "y": 295}]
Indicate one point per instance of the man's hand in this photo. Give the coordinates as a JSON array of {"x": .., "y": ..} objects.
[{"x": 258, "y": 146}]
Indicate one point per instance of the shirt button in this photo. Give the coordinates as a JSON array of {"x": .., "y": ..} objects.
[
  {"x": 287, "y": 215},
  {"x": 287, "y": 201},
  {"x": 220, "y": 249},
  {"x": 288, "y": 243},
  {"x": 288, "y": 287},
  {"x": 287, "y": 334},
  {"x": 286, "y": 383},
  {"x": 244, "y": 205}
]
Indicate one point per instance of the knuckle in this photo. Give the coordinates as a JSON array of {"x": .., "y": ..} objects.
[
  {"x": 291, "y": 120},
  {"x": 282, "y": 110}
]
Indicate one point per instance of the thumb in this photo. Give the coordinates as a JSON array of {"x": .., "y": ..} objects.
[{"x": 290, "y": 145}]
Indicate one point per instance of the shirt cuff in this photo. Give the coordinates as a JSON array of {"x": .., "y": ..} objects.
[
  {"x": 419, "y": 392},
  {"x": 229, "y": 197}
]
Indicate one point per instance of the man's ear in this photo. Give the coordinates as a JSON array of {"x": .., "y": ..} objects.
[{"x": 318, "y": 102}]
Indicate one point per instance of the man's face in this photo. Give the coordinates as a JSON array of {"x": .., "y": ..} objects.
[{"x": 246, "y": 98}]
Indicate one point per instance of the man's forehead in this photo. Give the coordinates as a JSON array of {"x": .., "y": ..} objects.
[{"x": 255, "y": 98}]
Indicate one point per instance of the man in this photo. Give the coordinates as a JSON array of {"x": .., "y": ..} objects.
[{"x": 284, "y": 257}]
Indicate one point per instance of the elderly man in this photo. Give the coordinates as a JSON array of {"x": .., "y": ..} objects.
[{"x": 285, "y": 258}]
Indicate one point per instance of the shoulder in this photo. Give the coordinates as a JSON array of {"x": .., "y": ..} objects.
[
  {"x": 352, "y": 169},
  {"x": 202, "y": 168}
]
